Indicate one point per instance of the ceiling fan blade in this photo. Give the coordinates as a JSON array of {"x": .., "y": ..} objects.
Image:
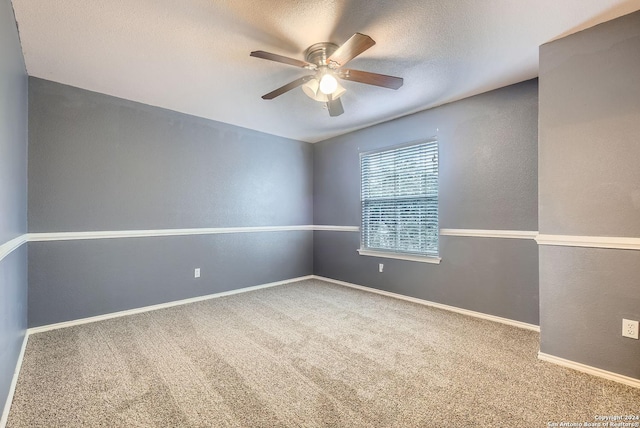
[
  {"x": 335, "y": 107},
  {"x": 283, "y": 59},
  {"x": 382, "y": 80},
  {"x": 286, "y": 88},
  {"x": 353, "y": 47}
]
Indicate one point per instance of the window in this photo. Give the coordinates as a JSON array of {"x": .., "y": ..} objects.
[{"x": 399, "y": 200}]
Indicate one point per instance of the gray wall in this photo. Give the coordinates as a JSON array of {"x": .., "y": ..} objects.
[
  {"x": 104, "y": 163},
  {"x": 13, "y": 195},
  {"x": 488, "y": 180},
  {"x": 76, "y": 279},
  {"x": 101, "y": 163},
  {"x": 589, "y": 179}
]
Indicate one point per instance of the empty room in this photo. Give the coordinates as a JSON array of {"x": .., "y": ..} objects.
[{"x": 336, "y": 213}]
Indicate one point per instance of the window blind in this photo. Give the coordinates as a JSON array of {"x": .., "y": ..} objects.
[{"x": 399, "y": 200}]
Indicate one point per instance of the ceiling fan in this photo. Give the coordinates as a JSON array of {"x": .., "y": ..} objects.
[{"x": 326, "y": 60}]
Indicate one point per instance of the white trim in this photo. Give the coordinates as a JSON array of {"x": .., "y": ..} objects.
[
  {"x": 110, "y": 234},
  {"x": 474, "y": 314},
  {"x": 478, "y": 233},
  {"x": 594, "y": 371},
  {"x": 399, "y": 256},
  {"x": 472, "y": 233},
  {"x": 623, "y": 243},
  {"x": 337, "y": 228},
  {"x": 590, "y": 241},
  {"x": 12, "y": 245},
  {"x": 517, "y": 234},
  {"x": 65, "y": 324},
  {"x": 14, "y": 382}
]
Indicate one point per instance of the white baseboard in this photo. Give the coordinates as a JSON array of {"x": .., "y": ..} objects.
[
  {"x": 65, "y": 324},
  {"x": 14, "y": 382},
  {"x": 34, "y": 330},
  {"x": 594, "y": 371},
  {"x": 475, "y": 314}
]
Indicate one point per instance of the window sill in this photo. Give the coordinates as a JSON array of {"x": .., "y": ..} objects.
[{"x": 398, "y": 256}]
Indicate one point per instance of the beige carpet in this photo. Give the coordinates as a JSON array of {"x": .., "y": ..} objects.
[{"x": 307, "y": 354}]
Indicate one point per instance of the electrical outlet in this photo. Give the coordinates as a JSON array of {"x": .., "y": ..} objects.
[
  {"x": 381, "y": 267},
  {"x": 196, "y": 273},
  {"x": 630, "y": 328}
]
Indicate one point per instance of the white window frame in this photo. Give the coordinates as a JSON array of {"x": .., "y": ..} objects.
[{"x": 390, "y": 253}]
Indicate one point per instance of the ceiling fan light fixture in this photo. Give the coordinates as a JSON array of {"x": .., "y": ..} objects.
[
  {"x": 313, "y": 90},
  {"x": 328, "y": 84},
  {"x": 340, "y": 90}
]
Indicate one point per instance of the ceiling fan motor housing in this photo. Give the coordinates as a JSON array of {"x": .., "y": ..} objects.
[{"x": 319, "y": 52}]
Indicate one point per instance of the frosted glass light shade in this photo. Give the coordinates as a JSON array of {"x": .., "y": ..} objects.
[
  {"x": 328, "y": 84},
  {"x": 312, "y": 90}
]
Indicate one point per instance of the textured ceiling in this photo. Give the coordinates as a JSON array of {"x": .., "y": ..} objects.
[{"x": 192, "y": 56}]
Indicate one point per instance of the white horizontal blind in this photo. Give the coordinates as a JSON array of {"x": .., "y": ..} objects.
[{"x": 400, "y": 200}]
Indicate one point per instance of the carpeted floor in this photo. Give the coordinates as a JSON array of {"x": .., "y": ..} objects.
[{"x": 307, "y": 354}]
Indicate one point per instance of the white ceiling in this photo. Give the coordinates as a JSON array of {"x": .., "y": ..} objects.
[{"x": 192, "y": 56}]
